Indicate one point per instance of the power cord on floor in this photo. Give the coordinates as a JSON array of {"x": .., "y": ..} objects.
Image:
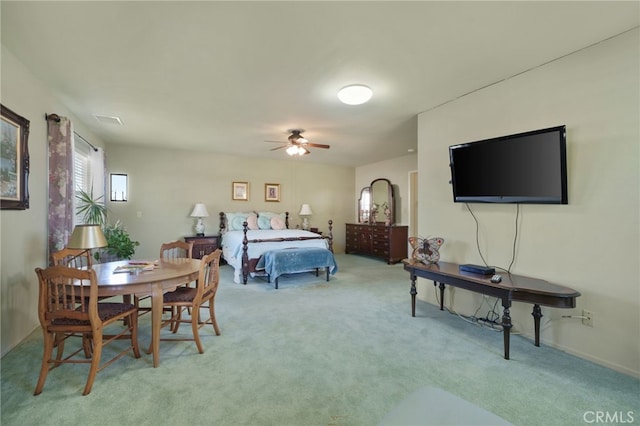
[
  {"x": 491, "y": 324},
  {"x": 492, "y": 320}
]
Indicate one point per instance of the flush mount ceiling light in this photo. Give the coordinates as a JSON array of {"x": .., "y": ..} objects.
[{"x": 355, "y": 94}]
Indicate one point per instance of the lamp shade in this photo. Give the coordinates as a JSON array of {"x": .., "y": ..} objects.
[
  {"x": 199, "y": 211},
  {"x": 305, "y": 210},
  {"x": 87, "y": 237}
]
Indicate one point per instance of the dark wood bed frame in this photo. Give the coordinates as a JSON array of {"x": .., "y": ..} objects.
[{"x": 249, "y": 265}]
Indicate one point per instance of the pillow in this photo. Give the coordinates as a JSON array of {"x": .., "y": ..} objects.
[
  {"x": 277, "y": 222},
  {"x": 234, "y": 221},
  {"x": 252, "y": 221},
  {"x": 264, "y": 222}
]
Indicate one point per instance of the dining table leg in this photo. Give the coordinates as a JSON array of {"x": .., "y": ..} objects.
[{"x": 156, "y": 321}]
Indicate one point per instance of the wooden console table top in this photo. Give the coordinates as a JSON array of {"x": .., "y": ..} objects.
[{"x": 511, "y": 288}]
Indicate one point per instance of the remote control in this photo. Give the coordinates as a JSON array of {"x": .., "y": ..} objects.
[{"x": 496, "y": 278}]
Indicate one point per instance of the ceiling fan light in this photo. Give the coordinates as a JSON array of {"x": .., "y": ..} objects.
[
  {"x": 355, "y": 94},
  {"x": 292, "y": 150}
]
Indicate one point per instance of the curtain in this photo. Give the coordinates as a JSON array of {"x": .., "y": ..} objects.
[{"x": 61, "y": 193}]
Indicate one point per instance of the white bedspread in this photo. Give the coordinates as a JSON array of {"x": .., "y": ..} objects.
[{"x": 232, "y": 245}]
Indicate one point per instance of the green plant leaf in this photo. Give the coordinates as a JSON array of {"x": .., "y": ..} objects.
[{"x": 93, "y": 211}]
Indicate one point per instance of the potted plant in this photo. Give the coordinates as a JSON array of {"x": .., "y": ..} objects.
[
  {"x": 119, "y": 242},
  {"x": 93, "y": 211}
]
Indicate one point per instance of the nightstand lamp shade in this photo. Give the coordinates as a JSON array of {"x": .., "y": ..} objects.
[
  {"x": 305, "y": 212},
  {"x": 199, "y": 211},
  {"x": 87, "y": 237}
]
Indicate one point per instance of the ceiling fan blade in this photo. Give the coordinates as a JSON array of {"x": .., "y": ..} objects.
[
  {"x": 279, "y": 147},
  {"x": 276, "y": 141},
  {"x": 306, "y": 151},
  {"x": 317, "y": 145}
]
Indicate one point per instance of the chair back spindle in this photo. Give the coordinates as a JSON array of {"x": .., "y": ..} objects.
[
  {"x": 73, "y": 258},
  {"x": 176, "y": 250}
]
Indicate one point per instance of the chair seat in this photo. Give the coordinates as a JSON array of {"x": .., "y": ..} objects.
[
  {"x": 181, "y": 294},
  {"x": 106, "y": 311}
]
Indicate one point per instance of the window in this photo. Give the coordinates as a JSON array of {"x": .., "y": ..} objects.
[
  {"x": 118, "y": 187},
  {"x": 88, "y": 169},
  {"x": 81, "y": 167}
]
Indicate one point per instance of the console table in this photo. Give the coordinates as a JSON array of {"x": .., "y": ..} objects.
[{"x": 511, "y": 288}]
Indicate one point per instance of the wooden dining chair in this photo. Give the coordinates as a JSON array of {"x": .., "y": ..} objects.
[
  {"x": 172, "y": 250},
  {"x": 176, "y": 249},
  {"x": 195, "y": 298},
  {"x": 73, "y": 258},
  {"x": 68, "y": 306},
  {"x": 78, "y": 259}
]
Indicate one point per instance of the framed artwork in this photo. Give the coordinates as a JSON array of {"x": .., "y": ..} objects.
[
  {"x": 14, "y": 161},
  {"x": 272, "y": 192},
  {"x": 240, "y": 191}
]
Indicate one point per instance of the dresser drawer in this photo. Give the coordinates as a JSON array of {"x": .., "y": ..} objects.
[
  {"x": 203, "y": 246},
  {"x": 380, "y": 233},
  {"x": 380, "y": 243}
]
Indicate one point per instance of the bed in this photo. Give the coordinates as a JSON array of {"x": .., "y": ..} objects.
[{"x": 246, "y": 236}]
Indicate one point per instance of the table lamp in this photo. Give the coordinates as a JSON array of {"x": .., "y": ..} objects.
[
  {"x": 87, "y": 237},
  {"x": 305, "y": 212},
  {"x": 199, "y": 211}
]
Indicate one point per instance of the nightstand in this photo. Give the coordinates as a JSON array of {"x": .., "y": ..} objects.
[
  {"x": 315, "y": 231},
  {"x": 203, "y": 245}
]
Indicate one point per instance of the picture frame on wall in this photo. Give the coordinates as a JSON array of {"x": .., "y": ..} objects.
[
  {"x": 272, "y": 192},
  {"x": 240, "y": 191},
  {"x": 14, "y": 160}
]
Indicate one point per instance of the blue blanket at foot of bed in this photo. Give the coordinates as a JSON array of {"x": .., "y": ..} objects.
[{"x": 296, "y": 259}]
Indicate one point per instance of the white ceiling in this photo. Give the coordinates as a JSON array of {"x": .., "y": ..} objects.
[{"x": 225, "y": 76}]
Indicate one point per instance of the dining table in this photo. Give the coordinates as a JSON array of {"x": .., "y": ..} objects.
[{"x": 123, "y": 278}]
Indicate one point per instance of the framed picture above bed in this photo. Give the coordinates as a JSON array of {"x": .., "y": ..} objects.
[
  {"x": 272, "y": 192},
  {"x": 240, "y": 191}
]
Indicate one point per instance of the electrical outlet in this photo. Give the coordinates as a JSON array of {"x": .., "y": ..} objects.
[{"x": 587, "y": 318}]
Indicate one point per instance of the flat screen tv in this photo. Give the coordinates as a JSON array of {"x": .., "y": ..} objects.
[{"x": 528, "y": 167}]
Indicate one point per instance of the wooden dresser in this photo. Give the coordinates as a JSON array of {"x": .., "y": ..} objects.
[{"x": 386, "y": 242}]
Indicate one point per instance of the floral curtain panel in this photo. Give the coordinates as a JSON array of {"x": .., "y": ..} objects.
[{"x": 61, "y": 194}]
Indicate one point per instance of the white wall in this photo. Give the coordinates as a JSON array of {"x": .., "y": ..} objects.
[
  {"x": 591, "y": 244},
  {"x": 23, "y": 233},
  {"x": 164, "y": 185}
]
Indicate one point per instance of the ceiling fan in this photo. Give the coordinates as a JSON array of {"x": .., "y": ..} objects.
[{"x": 297, "y": 144}]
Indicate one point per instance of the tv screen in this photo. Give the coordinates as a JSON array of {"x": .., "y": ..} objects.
[{"x": 528, "y": 167}]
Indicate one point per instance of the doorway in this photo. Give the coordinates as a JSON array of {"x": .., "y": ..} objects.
[{"x": 413, "y": 203}]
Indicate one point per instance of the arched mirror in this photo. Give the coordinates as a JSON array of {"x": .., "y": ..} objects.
[
  {"x": 364, "y": 205},
  {"x": 382, "y": 202}
]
